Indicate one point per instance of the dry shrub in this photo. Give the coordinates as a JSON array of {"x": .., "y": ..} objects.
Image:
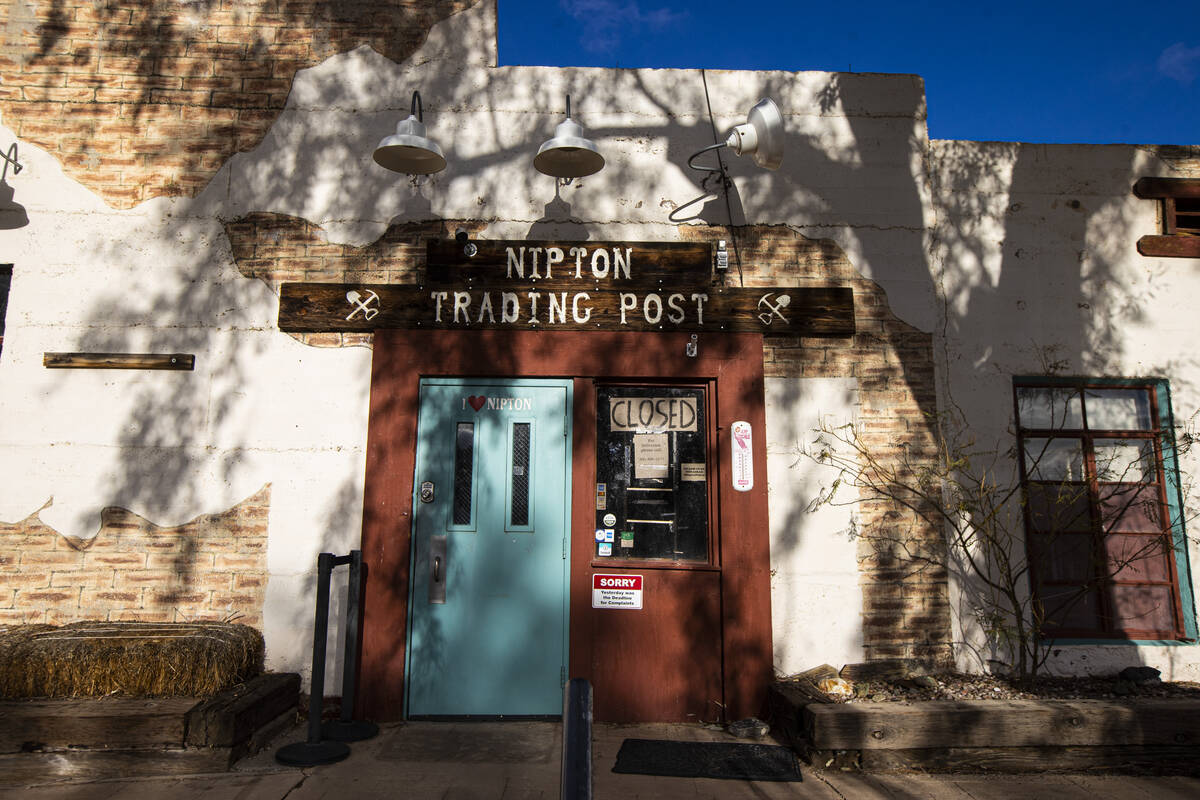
[{"x": 97, "y": 659}]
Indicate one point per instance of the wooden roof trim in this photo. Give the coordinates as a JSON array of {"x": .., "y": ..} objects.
[{"x": 1157, "y": 188}]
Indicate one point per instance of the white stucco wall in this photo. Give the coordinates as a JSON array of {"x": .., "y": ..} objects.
[
  {"x": 1035, "y": 249},
  {"x": 815, "y": 595}
]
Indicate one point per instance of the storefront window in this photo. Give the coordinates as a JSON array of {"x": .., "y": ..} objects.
[{"x": 651, "y": 473}]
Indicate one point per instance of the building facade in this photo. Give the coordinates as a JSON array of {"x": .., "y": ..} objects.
[{"x": 573, "y": 427}]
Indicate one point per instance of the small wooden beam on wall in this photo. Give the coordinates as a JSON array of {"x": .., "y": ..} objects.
[
  {"x": 176, "y": 361},
  {"x": 1180, "y": 199}
]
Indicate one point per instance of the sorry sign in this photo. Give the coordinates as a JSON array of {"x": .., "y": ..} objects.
[{"x": 617, "y": 591}]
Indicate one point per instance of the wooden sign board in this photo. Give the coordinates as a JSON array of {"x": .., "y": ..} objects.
[
  {"x": 314, "y": 307},
  {"x": 628, "y": 263}
]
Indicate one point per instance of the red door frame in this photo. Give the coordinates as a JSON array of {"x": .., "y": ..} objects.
[{"x": 733, "y": 361}]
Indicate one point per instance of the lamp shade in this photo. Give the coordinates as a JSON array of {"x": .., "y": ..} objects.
[
  {"x": 409, "y": 150},
  {"x": 12, "y": 213},
  {"x": 569, "y": 154},
  {"x": 761, "y": 136}
]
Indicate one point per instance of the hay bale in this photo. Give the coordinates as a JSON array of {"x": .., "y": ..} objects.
[{"x": 133, "y": 659}]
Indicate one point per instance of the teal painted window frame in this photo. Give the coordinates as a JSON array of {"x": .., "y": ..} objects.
[{"x": 1174, "y": 493}]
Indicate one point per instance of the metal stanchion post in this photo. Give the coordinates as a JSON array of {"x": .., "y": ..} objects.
[
  {"x": 577, "y": 741},
  {"x": 346, "y": 728},
  {"x": 312, "y": 752}
]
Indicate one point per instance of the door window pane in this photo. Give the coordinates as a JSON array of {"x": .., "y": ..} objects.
[
  {"x": 464, "y": 471},
  {"x": 519, "y": 515},
  {"x": 651, "y": 473}
]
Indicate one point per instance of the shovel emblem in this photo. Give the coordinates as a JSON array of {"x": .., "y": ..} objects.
[
  {"x": 773, "y": 310},
  {"x": 361, "y": 305}
]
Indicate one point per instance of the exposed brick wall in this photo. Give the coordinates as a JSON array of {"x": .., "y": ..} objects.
[
  {"x": 906, "y": 605},
  {"x": 144, "y": 99},
  {"x": 906, "y": 609},
  {"x": 212, "y": 568},
  {"x": 276, "y": 247}
]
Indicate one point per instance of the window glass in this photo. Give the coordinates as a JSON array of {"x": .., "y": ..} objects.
[
  {"x": 1042, "y": 407},
  {"x": 1131, "y": 507},
  {"x": 651, "y": 473},
  {"x": 1146, "y": 607},
  {"x": 1070, "y": 607},
  {"x": 464, "y": 469},
  {"x": 519, "y": 513},
  {"x": 1055, "y": 508},
  {"x": 1064, "y": 557},
  {"x": 1124, "y": 460},
  {"x": 1054, "y": 459},
  {"x": 1138, "y": 558},
  {"x": 1118, "y": 409}
]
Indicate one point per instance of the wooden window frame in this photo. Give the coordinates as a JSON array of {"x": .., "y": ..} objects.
[
  {"x": 1176, "y": 241},
  {"x": 712, "y": 555},
  {"x": 1160, "y": 433}
]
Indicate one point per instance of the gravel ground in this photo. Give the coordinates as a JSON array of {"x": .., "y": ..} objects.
[{"x": 953, "y": 686}]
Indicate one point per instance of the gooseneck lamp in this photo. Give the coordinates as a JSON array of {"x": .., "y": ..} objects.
[{"x": 760, "y": 136}]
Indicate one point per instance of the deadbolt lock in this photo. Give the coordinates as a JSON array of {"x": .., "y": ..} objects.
[{"x": 427, "y": 492}]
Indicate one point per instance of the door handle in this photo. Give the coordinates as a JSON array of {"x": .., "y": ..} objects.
[{"x": 437, "y": 572}]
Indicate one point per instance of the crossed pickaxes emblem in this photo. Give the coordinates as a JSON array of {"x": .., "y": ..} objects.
[
  {"x": 773, "y": 310},
  {"x": 362, "y": 305}
]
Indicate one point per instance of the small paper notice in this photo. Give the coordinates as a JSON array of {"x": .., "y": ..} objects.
[
  {"x": 692, "y": 472},
  {"x": 651, "y": 452}
]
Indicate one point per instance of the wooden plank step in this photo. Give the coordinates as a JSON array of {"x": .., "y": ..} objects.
[
  {"x": 998, "y": 723},
  {"x": 233, "y": 716},
  {"x": 107, "y": 722},
  {"x": 22, "y": 769},
  {"x": 1121, "y": 758}
]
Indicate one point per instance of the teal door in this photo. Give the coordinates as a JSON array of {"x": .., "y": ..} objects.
[{"x": 488, "y": 611}]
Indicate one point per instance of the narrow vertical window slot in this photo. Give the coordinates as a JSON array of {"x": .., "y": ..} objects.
[
  {"x": 519, "y": 514},
  {"x": 464, "y": 469}
]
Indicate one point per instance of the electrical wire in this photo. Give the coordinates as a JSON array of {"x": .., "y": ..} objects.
[{"x": 726, "y": 182}]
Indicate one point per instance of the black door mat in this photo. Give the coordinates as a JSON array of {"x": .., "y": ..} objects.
[{"x": 735, "y": 761}]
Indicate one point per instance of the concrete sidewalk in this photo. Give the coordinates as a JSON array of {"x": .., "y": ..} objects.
[{"x": 520, "y": 761}]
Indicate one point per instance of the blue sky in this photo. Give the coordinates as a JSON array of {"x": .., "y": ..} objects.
[{"x": 1095, "y": 72}]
